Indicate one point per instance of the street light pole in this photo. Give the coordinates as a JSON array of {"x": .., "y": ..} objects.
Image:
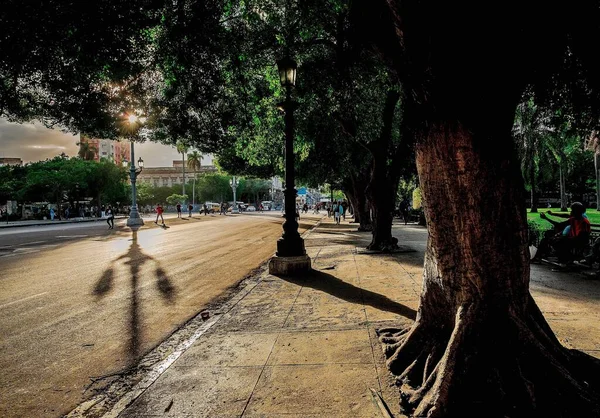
[
  {"x": 291, "y": 255},
  {"x": 234, "y": 184},
  {"x": 134, "y": 216},
  {"x": 194, "y": 191}
]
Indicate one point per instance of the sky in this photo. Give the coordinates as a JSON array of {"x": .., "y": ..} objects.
[{"x": 34, "y": 142}]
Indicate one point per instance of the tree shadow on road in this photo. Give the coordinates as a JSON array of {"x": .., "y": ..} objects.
[
  {"x": 135, "y": 259},
  {"x": 330, "y": 284}
]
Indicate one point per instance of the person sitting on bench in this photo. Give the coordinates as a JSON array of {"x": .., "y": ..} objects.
[{"x": 577, "y": 236}]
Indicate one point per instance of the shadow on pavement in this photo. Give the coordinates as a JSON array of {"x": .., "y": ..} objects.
[
  {"x": 135, "y": 259},
  {"x": 330, "y": 284}
]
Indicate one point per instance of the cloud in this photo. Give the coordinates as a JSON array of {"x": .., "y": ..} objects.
[{"x": 35, "y": 142}]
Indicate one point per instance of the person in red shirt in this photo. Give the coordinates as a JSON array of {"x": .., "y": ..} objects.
[
  {"x": 578, "y": 233},
  {"x": 159, "y": 212}
]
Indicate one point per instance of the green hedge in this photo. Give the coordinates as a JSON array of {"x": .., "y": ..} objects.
[{"x": 536, "y": 232}]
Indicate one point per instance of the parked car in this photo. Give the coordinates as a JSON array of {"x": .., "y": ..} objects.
[
  {"x": 250, "y": 208},
  {"x": 213, "y": 207}
]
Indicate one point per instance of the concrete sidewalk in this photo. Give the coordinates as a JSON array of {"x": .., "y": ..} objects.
[{"x": 306, "y": 347}]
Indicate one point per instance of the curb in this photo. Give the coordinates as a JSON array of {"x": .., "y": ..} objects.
[{"x": 9, "y": 225}]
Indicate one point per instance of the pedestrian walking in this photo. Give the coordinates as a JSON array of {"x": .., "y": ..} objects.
[
  {"x": 52, "y": 214},
  {"x": 159, "y": 212},
  {"x": 190, "y": 209},
  {"x": 205, "y": 207},
  {"x": 102, "y": 212},
  {"x": 179, "y": 210},
  {"x": 337, "y": 212},
  {"x": 340, "y": 212},
  {"x": 110, "y": 218}
]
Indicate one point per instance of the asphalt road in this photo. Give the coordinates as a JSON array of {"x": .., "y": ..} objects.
[{"x": 80, "y": 301}]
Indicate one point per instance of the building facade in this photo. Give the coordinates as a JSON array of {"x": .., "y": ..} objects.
[
  {"x": 10, "y": 161},
  {"x": 115, "y": 151},
  {"x": 169, "y": 176}
]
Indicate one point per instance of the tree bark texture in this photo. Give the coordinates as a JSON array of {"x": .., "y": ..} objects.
[
  {"x": 383, "y": 184},
  {"x": 480, "y": 345}
]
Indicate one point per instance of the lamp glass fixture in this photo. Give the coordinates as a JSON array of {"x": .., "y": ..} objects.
[
  {"x": 287, "y": 72},
  {"x": 141, "y": 163}
]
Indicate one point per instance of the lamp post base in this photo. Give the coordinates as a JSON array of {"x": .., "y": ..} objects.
[
  {"x": 289, "y": 266},
  {"x": 135, "y": 221}
]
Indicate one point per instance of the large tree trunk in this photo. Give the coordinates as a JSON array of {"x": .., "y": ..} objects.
[
  {"x": 382, "y": 191},
  {"x": 357, "y": 193},
  {"x": 383, "y": 184},
  {"x": 480, "y": 345}
]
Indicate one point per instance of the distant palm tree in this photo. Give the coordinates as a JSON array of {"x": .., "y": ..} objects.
[
  {"x": 86, "y": 151},
  {"x": 194, "y": 163},
  {"x": 182, "y": 148},
  {"x": 195, "y": 160}
]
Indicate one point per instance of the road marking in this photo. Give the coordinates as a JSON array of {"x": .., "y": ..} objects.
[
  {"x": 29, "y": 250},
  {"x": 22, "y": 300},
  {"x": 31, "y": 243}
]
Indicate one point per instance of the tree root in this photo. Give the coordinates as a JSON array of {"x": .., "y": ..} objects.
[
  {"x": 385, "y": 246},
  {"x": 490, "y": 365}
]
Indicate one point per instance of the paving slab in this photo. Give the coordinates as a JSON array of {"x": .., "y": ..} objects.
[
  {"x": 342, "y": 390},
  {"x": 197, "y": 392},
  {"x": 229, "y": 350},
  {"x": 322, "y": 347}
]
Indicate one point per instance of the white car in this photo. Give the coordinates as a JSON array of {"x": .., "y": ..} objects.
[{"x": 250, "y": 208}]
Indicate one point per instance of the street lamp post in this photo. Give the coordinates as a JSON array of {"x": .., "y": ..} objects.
[
  {"x": 234, "y": 183},
  {"x": 134, "y": 122},
  {"x": 291, "y": 255},
  {"x": 134, "y": 216},
  {"x": 194, "y": 192}
]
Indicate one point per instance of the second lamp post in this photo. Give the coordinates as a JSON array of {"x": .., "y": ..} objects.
[
  {"x": 234, "y": 183},
  {"x": 291, "y": 255}
]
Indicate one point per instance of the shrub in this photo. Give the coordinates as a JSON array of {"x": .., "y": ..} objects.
[{"x": 536, "y": 232}]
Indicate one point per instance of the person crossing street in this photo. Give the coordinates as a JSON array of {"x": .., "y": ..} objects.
[
  {"x": 110, "y": 217},
  {"x": 159, "y": 212}
]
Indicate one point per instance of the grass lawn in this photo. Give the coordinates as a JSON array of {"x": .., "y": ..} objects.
[{"x": 592, "y": 214}]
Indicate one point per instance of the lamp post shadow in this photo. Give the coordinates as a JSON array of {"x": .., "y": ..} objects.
[{"x": 135, "y": 258}]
